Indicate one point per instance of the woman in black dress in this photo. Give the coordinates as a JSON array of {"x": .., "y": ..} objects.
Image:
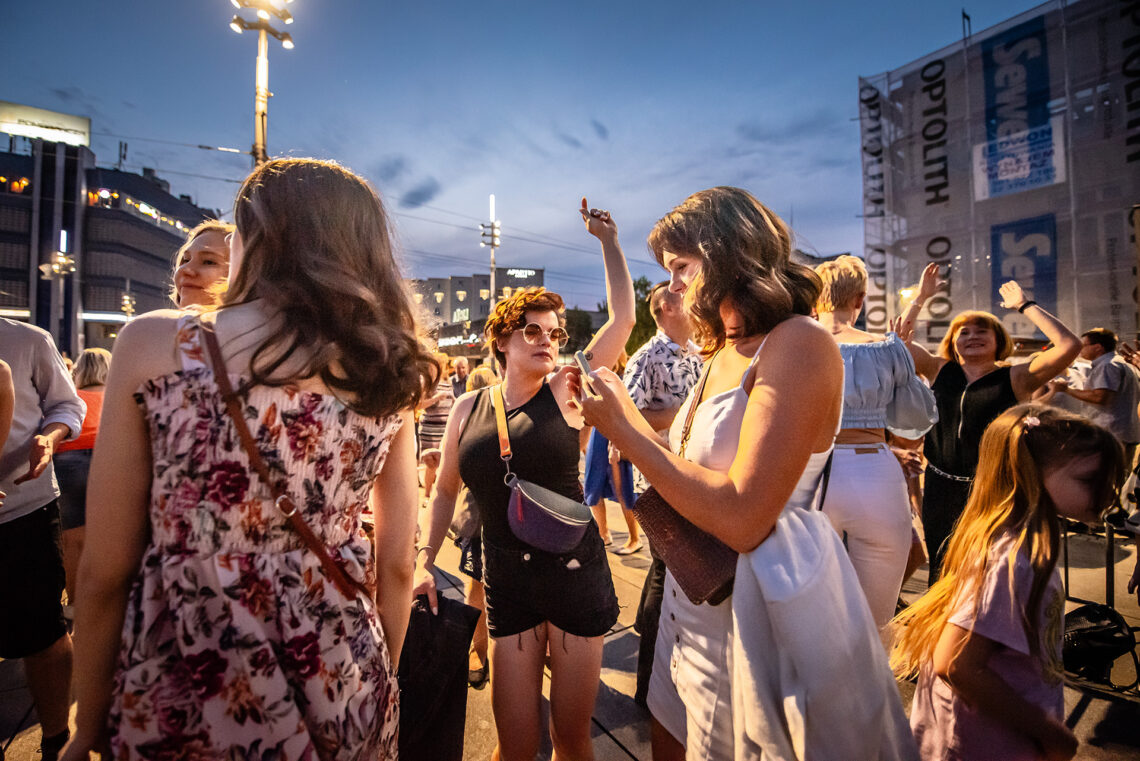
[
  {"x": 972, "y": 386},
  {"x": 535, "y": 598}
]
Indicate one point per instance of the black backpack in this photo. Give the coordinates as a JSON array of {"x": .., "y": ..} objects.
[{"x": 1095, "y": 636}]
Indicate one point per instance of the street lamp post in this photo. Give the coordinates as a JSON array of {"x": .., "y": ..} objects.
[
  {"x": 490, "y": 232},
  {"x": 127, "y": 302},
  {"x": 57, "y": 268},
  {"x": 264, "y": 9},
  {"x": 490, "y": 239}
]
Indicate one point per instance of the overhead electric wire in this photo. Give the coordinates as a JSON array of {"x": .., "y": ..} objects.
[
  {"x": 174, "y": 171},
  {"x": 433, "y": 221},
  {"x": 174, "y": 142}
]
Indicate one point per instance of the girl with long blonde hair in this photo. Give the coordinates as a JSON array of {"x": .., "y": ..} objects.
[{"x": 985, "y": 640}]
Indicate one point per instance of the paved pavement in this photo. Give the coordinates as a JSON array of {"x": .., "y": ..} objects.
[{"x": 1108, "y": 725}]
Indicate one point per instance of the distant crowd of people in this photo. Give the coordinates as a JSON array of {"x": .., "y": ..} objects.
[{"x": 241, "y": 503}]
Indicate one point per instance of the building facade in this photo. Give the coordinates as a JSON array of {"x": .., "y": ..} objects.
[
  {"x": 455, "y": 308},
  {"x": 1013, "y": 154},
  {"x": 83, "y": 248}
]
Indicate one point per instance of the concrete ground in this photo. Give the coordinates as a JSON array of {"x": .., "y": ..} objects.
[{"x": 1107, "y": 724}]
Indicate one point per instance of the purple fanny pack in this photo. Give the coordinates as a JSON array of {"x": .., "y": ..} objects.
[{"x": 544, "y": 519}]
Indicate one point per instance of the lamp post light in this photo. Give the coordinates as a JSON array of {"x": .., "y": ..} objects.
[
  {"x": 490, "y": 233},
  {"x": 57, "y": 268},
  {"x": 264, "y": 10},
  {"x": 127, "y": 302}
]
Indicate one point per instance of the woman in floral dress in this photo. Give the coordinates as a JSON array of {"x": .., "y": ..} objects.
[{"x": 207, "y": 629}]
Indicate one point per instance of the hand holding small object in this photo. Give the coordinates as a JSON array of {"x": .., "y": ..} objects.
[{"x": 598, "y": 222}]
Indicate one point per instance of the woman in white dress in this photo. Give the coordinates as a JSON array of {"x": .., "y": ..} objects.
[{"x": 742, "y": 679}]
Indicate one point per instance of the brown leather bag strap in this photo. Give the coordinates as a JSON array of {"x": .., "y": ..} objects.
[
  {"x": 347, "y": 585},
  {"x": 687, "y": 428}
]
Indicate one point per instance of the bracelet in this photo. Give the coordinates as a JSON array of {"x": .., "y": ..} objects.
[
  {"x": 425, "y": 547},
  {"x": 1026, "y": 305}
]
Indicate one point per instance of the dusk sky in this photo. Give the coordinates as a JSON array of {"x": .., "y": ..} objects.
[{"x": 633, "y": 104}]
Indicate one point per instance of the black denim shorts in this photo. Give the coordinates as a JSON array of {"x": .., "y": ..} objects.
[
  {"x": 31, "y": 566},
  {"x": 527, "y": 587}
]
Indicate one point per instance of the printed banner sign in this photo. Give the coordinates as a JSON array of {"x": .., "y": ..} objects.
[
  {"x": 1029, "y": 159},
  {"x": 1019, "y": 152},
  {"x": 1025, "y": 251}
]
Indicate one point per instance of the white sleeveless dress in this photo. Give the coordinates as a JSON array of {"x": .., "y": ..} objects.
[{"x": 730, "y": 681}]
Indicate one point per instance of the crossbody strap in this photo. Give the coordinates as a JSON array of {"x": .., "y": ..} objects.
[
  {"x": 347, "y": 585},
  {"x": 825, "y": 478},
  {"x": 687, "y": 428},
  {"x": 501, "y": 423}
]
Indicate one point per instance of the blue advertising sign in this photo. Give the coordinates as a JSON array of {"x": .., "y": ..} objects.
[
  {"x": 1025, "y": 251},
  {"x": 1020, "y": 137}
]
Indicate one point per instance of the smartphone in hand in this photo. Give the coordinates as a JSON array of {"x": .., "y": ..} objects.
[{"x": 584, "y": 366}]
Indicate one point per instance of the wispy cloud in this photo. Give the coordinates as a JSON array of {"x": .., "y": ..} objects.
[
  {"x": 797, "y": 129},
  {"x": 421, "y": 193},
  {"x": 69, "y": 94},
  {"x": 571, "y": 141},
  {"x": 600, "y": 129},
  {"x": 76, "y": 100},
  {"x": 390, "y": 168}
]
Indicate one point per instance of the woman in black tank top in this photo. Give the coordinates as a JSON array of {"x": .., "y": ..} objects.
[
  {"x": 972, "y": 387},
  {"x": 535, "y": 597},
  {"x": 542, "y": 445}
]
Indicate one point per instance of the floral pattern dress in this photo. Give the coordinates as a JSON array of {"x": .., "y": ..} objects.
[{"x": 236, "y": 645}]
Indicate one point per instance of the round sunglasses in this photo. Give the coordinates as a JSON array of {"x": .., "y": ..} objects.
[{"x": 533, "y": 332}]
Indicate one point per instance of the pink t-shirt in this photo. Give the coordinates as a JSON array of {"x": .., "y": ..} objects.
[{"x": 946, "y": 728}]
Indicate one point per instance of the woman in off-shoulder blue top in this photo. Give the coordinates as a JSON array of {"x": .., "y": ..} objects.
[{"x": 867, "y": 498}]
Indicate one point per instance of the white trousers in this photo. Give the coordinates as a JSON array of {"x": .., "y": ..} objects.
[{"x": 868, "y": 506}]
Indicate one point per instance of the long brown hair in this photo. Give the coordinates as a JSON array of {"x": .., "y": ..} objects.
[
  {"x": 1008, "y": 497},
  {"x": 745, "y": 252},
  {"x": 318, "y": 252}
]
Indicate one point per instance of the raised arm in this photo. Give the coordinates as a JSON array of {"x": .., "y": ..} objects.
[
  {"x": 607, "y": 344},
  {"x": 925, "y": 364},
  {"x": 928, "y": 285},
  {"x": 1027, "y": 378}
]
